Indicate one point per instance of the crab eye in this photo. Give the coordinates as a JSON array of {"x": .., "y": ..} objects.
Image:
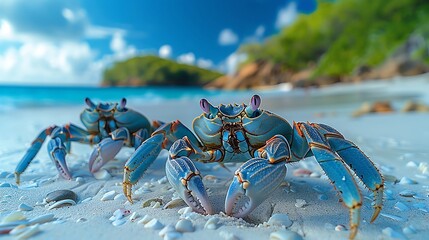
[
  {"x": 122, "y": 104},
  {"x": 90, "y": 104},
  {"x": 205, "y": 105},
  {"x": 255, "y": 102}
]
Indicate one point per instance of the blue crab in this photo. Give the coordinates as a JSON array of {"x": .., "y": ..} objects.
[
  {"x": 109, "y": 125},
  {"x": 266, "y": 143}
]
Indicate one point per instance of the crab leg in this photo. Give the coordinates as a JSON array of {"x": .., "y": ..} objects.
[
  {"x": 259, "y": 177},
  {"x": 337, "y": 172},
  {"x": 358, "y": 162}
]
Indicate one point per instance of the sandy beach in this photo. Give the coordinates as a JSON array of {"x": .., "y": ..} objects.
[{"x": 395, "y": 142}]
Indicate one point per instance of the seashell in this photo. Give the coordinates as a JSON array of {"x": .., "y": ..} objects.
[
  {"x": 212, "y": 223},
  {"x": 41, "y": 219},
  {"x": 60, "y": 195},
  {"x": 148, "y": 203},
  {"x": 393, "y": 217},
  {"x": 340, "y": 228},
  {"x": 145, "y": 219},
  {"x": 61, "y": 203},
  {"x": 407, "y": 181},
  {"x": 174, "y": 203},
  {"x": 108, "y": 196},
  {"x": 28, "y": 231},
  {"x": 392, "y": 233},
  {"x": 154, "y": 224},
  {"x": 13, "y": 216},
  {"x": 172, "y": 235},
  {"x": 119, "y": 222},
  {"x": 102, "y": 174},
  {"x": 25, "y": 207},
  {"x": 401, "y": 206},
  {"x": 166, "y": 229},
  {"x": 134, "y": 216},
  {"x": 279, "y": 219},
  {"x": 407, "y": 193},
  {"x": 184, "y": 225},
  {"x": 300, "y": 203},
  {"x": 285, "y": 235},
  {"x": 228, "y": 235}
]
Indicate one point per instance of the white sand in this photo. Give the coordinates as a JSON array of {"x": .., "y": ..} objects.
[{"x": 391, "y": 141}]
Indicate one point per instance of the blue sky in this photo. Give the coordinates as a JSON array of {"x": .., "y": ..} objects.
[{"x": 71, "y": 42}]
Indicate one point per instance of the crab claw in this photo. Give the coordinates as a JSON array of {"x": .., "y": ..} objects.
[
  {"x": 103, "y": 152},
  {"x": 186, "y": 180},
  {"x": 57, "y": 152},
  {"x": 255, "y": 180}
]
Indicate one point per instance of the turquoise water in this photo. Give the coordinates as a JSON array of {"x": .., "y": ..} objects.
[{"x": 12, "y": 97}]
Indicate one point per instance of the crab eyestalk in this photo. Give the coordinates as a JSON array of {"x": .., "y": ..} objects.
[
  {"x": 253, "y": 108},
  {"x": 122, "y": 104},
  {"x": 208, "y": 108},
  {"x": 91, "y": 105},
  {"x": 255, "y": 180}
]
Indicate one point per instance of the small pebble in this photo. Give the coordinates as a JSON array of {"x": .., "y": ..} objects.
[
  {"x": 60, "y": 195},
  {"x": 392, "y": 233},
  {"x": 407, "y": 193},
  {"x": 423, "y": 167},
  {"x": 401, "y": 206},
  {"x": 407, "y": 181},
  {"x": 80, "y": 180},
  {"x": 134, "y": 216},
  {"x": 300, "y": 203},
  {"x": 119, "y": 222},
  {"x": 79, "y": 220},
  {"x": 411, "y": 164},
  {"x": 340, "y": 228},
  {"x": 409, "y": 230},
  {"x": 172, "y": 235},
  {"x": 154, "y": 224},
  {"x": 393, "y": 217},
  {"x": 25, "y": 207},
  {"x": 280, "y": 219},
  {"x": 13, "y": 216},
  {"x": 108, "y": 196},
  {"x": 102, "y": 174},
  {"x": 166, "y": 229},
  {"x": 228, "y": 235},
  {"x": 145, "y": 219},
  {"x": 212, "y": 223},
  {"x": 184, "y": 210},
  {"x": 156, "y": 205},
  {"x": 120, "y": 213},
  {"x": 162, "y": 180},
  {"x": 120, "y": 197},
  {"x": 184, "y": 225},
  {"x": 285, "y": 235}
]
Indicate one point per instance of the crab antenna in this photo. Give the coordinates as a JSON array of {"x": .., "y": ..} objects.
[
  {"x": 253, "y": 106},
  {"x": 122, "y": 104},
  {"x": 90, "y": 104},
  {"x": 207, "y": 107}
]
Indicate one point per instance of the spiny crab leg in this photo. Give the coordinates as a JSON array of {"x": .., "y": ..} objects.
[
  {"x": 186, "y": 180},
  {"x": 259, "y": 177},
  {"x": 141, "y": 159},
  {"x": 332, "y": 164},
  {"x": 358, "y": 162}
]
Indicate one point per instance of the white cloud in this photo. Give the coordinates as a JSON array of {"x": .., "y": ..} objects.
[
  {"x": 287, "y": 15},
  {"x": 165, "y": 51},
  {"x": 231, "y": 63},
  {"x": 227, "y": 37},
  {"x": 187, "y": 58},
  {"x": 67, "y": 63},
  {"x": 260, "y": 30},
  {"x": 118, "y": 43},
  {"x": 204, "y": 63}
]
